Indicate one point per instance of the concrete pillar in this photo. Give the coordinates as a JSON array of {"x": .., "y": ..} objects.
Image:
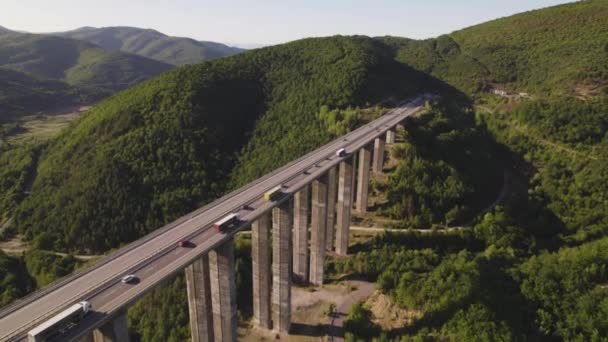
[
  {"x": 318, "y": 233},
  {"x": 378, "y": 163},
  {"x": 353, "y": 187},
  {"x": 281, "y": 266},
  {"x": 345, "y": 187},
  {"x": 332, "y": 191},
  {"x": 300, "y": 235},
  {"x": 199, "y": 300},
  {"x": 115, "y": 330},
  {"x": 363, "y": 178},
  {"x": 223, "y": 291},
  {"x": 390, "y": 136},
  {"x": 89, "y": 337},
  {"x": 260, "y": 254}
]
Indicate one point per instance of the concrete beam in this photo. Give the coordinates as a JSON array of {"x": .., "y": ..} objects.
[
  {"x": 378, "y": 162},
  {"x": 260, "y": 254},
  {"x": 332, "y": 192},
  {"x": 363, "y": 178},
  {"x": 199, "y": 300},
  {"x": 390, "y": 136},
  {"x": 345, "y": 200},
  {"x": 223, "y": 291},
  {"x": 318, "y": 231},
  {"x": 282, "y": 221},
  {"x": 300, "y": 235},
  {"x": 116, "y": 330}
]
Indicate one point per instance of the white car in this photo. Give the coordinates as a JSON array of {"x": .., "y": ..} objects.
[{"x": 129, "y": 278}]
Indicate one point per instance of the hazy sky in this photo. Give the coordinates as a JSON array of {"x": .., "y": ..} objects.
[{"x": 262, "y": 21}]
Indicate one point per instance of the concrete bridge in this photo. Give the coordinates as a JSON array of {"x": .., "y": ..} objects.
[{"x": 320, "y": 186}]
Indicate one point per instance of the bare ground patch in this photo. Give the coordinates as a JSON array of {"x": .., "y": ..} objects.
[{"x": 387, "y": 314}]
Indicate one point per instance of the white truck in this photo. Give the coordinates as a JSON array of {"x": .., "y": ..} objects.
[{"x": 59, "y": 323}]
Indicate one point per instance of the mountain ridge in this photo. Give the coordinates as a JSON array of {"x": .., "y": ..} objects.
[{"x": 152, "y": 44}]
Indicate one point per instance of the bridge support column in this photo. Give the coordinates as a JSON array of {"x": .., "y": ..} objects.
[
  {"x": 199, "y": 300},
  {"x": 223, "y": 291},
  {"x": 345, "y": 187},
  {"x": 281, "y": 266},
  {"x": 390, "y": 136},
  {"x": 89, "y": 337},
  {"x": 378, "y": 163},
  {"x": 332, "y": 191},
  {"x": 300, "y": 235},
  {"x": 363, "y": 179},
  {"x": 318, "y": 227},
  {"x": 115, "y": 330},
  {"x": 260, "y": 253}
]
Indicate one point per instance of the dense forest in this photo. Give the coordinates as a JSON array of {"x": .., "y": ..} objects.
[{"x": 532, "y": 268}]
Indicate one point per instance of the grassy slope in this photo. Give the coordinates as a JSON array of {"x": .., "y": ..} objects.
[
  {"x": 75, "y": 62},
  {"x": 152, "y": 44},
  {"x": 162, "y": 148}
]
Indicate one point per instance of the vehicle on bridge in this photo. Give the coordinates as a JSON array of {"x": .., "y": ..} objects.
[
  {"x": 227, "y": 222},
  {"x": 129, "y": 278},
  {"x": 273, "y": 193},
  {"x": 186, "y": 244},
  {"x": 341, "y": 152},
  {"x": 59, "y": 324}
]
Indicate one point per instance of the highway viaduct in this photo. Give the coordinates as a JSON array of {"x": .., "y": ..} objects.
[{"x": 291, "y": 235}]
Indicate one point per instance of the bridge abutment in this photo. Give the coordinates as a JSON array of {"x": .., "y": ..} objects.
[
  {"x": 260, "y": 250},
  {"x": 199, "y": 300},
  {"x": 282, "y": 221}
]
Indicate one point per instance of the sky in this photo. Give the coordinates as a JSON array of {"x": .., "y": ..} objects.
[{"x": 251, "y": 23}]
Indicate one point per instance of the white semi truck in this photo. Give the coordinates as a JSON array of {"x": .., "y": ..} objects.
[{"x": 59, "y": 324}]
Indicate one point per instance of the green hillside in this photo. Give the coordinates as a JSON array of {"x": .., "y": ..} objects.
[
  {"x": 560, "y": 49},
  {"x": 532, "y": 268},
  {"x": 21, "y": 93},
  {"x": 75, "y": 62},
  {"x": 152, "y": 44},
  {"x": 158, "y": 150}
]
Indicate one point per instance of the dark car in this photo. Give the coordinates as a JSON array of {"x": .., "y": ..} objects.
[{"x": 185, "y": 243}]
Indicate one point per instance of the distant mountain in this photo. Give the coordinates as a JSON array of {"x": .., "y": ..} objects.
[
  {"x": 152, "y": 44},
  {"x": 4, "y": 30},
  {"x": 75, "y": 62}
]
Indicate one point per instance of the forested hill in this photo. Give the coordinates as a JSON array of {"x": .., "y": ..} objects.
[
  {"x": 533, "y": 268},
  {"x": 160, "y": 149},
  {"x": 152, "y": 44},
  {"x": 560, "y": 49},
  {"x": 75, "y": 62}
]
